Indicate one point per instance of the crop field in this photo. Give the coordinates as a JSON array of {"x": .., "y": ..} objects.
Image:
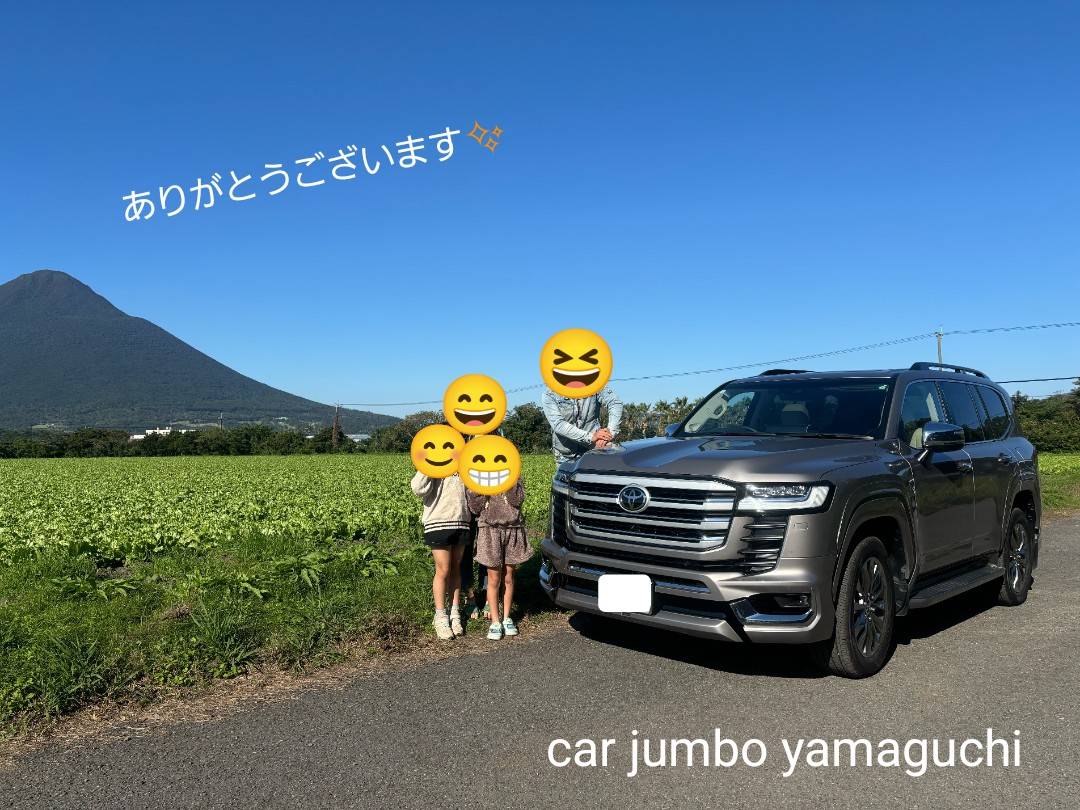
[
  {"x": 128, "y": 509},
  {"x": 126, "y": 578}
]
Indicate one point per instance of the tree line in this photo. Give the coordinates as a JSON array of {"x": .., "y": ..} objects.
[
  {"x": 1051, "y": 423},
  {"x": 247, "y": 440}
]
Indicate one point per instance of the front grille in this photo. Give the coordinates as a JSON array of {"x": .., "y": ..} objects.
[
  {"x": 597, "y": 570},
  {"x": 558, "y": 518},
  {"x": 691, "y": 564},
  {"x": 691, "y": 513}
]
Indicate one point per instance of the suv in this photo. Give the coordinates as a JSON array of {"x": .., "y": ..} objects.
[{"x": 807, "y": 508}]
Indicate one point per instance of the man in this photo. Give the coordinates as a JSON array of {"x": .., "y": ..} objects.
[{"x": 575, "y": 422}]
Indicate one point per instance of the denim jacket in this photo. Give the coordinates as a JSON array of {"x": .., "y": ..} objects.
[{"x": 573, "y": 421}]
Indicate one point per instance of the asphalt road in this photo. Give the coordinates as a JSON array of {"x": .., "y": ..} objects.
[{"x": 473, "y": 731}]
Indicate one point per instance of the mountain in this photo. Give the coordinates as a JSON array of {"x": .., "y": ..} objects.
[{"x": 70, "y": 359}]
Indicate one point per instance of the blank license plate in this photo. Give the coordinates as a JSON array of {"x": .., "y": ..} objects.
[{"x": 625, "y": 593}]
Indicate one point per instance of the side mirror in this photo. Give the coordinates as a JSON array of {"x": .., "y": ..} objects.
[
  {"x": 941, "y": 437},
  {"x": 669, "y": 431}
]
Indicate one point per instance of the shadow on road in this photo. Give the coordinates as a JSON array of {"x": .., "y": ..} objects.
[
  {"x": 925, "y": 623},
  {"x": 774, "y": 660}
]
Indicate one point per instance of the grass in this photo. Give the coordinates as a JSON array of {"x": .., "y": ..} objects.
[
  {"x": 1060, "y": 473},
  {"x": 76, "y": 629},
  {"x": 72, "y": 634}
]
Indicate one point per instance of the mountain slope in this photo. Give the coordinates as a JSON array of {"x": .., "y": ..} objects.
[{"x": 70, "y": 358}]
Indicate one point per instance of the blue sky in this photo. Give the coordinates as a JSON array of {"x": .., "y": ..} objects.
[{"x": 703, "y": 184}]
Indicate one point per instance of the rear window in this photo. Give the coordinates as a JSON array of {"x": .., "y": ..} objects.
[
  {"x": 997, "y": 413},
  {"x": 962, "y": 410}
]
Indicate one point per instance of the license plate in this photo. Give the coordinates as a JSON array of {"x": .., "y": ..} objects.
[{"x": 624, "y": 593}]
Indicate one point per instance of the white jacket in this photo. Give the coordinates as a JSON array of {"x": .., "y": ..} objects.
[{"x": 445, "y": 505}]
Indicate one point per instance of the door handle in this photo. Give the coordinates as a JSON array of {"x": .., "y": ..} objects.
[
  {"x": 965, "y": 466},
  {"x": 1004, "y": 459}
]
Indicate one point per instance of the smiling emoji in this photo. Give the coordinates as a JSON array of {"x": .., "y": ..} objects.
[
  {"x": 489, "y": 465},
  {"x": 575, "y": 363},
  {"x": 474, "y": 404},
  {"x": 435, "y": 450}
]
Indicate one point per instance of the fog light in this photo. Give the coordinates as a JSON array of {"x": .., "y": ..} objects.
[
  {"x": 781, "y": 604},
  {"x": 795, "y": 601}
]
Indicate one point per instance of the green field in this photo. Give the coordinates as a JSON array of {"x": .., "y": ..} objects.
[
  {"x": 126, "y": 577},
  {"x": 1060, "y": 473}
]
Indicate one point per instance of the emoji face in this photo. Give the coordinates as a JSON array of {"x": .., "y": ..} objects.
[
  {"x": 474, "y": 404},
  {"x": 575, "y": 363},
  {"x": 435, "y": 450},
  {"x": 489, "y": 465}
]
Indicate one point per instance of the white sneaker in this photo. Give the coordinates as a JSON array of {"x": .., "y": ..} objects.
[
  {"x": 455, "y": 624},
  {"x": 442, "y": 626},
  {"x": 509, "y": 628},
  {"x": 495, "y": 632}
]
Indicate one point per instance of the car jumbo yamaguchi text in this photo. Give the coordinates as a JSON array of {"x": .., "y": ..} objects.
[{"x": 806, "y": 508}]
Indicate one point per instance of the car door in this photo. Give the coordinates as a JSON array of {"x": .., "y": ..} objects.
[
  {"x": 965, "y": 408},
  {"x": 995, "y": 468},
  {"x": 944, "y": 496}
]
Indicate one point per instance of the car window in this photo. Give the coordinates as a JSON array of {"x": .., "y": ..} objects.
[
  {"x": 850, "y": 407},
  {"x": 920, "y": 406},
  {"x": 723, "y": 412},
  {"x": 962, "y": 410},
  {"x": 997, "y": 419}
]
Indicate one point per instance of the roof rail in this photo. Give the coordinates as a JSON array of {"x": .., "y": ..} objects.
[
  {"x": 948, "y": 367},
  {"x": 774, "y": 371}
]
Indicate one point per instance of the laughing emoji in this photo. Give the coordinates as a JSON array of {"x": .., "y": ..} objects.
[
  {"x": 575, "y": 363},
  {"x": 474, "y": 404},
  {"x": 435, "y": 450},
  {"x": 489, "y": 465}
]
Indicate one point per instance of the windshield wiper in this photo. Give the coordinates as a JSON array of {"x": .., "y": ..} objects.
[{"x": 828, "y": 435}]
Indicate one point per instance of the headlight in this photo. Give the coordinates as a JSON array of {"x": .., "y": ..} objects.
[
  {"x": 783, "y": 497},
  {"x": 561, "y": 483}
]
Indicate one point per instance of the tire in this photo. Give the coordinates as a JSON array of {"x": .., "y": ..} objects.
[
  {"x": 865, "y": 614},
  {"x": 1016, "y": 558}
]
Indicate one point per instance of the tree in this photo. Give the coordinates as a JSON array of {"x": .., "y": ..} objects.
[
  {"x": 528, "y": 428},
  {"x": 397, "y": 437},
  {"x": 323, "y": 442}
]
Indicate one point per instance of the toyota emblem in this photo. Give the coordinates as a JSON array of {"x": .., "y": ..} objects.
[{"x": 633, "y": 498}]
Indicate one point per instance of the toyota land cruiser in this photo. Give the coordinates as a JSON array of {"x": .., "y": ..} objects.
[{"x": 807, "y": 508}]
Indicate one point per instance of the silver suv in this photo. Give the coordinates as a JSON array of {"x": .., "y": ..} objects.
[{"x": 807, "y": 508}]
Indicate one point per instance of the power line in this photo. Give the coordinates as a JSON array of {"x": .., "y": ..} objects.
[
  {"x": 817, "y": 356},
  {"x": 1040, "y": 379}
]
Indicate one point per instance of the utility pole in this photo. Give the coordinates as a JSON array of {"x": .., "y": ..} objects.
[
  {"x": 939, "y": 335},
  {"x": 337, "y": 427},
  {"x": 221, "y": 421}
]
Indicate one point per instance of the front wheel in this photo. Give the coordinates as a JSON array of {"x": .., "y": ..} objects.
[
  {"x": 865, "y": 613},
  {"x": 1016, "y": 558}
]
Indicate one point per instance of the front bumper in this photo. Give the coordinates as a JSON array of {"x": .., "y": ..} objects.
[{"x": 699, "y": 603}]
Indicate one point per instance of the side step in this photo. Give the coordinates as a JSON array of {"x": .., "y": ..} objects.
[{"x": 954, "y": 585}]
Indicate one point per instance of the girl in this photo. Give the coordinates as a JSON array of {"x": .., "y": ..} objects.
[
  {"x": 501, "y": 545},
  {"x": 446, "y": 529}
]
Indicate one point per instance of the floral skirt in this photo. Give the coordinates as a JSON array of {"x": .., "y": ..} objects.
[{"x": 497, "y": 546}]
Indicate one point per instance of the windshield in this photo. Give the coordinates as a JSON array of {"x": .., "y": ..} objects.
[{"x": 809, "y": 407}]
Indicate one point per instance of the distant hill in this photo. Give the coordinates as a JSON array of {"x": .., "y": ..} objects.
[{"x": 70, "y": 359}]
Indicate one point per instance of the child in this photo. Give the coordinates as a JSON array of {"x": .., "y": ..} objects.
[
  {"x": 446, "y": 529},
  {"x": 501, "y": 545}
]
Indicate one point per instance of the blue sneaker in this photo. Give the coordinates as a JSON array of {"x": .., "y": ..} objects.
[{"x": 508, "y": 627}]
